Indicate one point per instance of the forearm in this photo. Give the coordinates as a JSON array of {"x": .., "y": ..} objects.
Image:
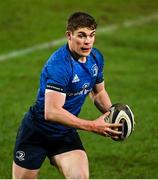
[
  {"x": 98, "y": 126},
  {"x": 102, "y": 101},
  {"x": 62, "y": 116},
  {"x": 54, "y": 112}
]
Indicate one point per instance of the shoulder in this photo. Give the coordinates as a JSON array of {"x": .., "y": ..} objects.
[
  {"x": 96, "y": 51},
  {"x": 59, "y": 56},
  {"x": 58, "y": 61}
]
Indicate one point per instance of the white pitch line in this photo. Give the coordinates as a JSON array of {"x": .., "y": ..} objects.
[{"x": 57, "y": 42}]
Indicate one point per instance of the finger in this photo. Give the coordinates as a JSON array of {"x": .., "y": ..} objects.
[
  {"x": 114, "y": 132},
  {"x": 116, "y": 125},
  {"x": 115, "y": 137},
  {"x": 106, "y": 134}
]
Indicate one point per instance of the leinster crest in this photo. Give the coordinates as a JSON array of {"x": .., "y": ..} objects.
[{"x": 94, "y": 70}]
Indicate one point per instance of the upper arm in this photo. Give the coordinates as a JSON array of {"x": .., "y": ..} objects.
[
  {"x": 98, "y": 87},
  {"x": 54, "y": 101},
  {"x": 96, "y": 90},
  {"x": 56, "y": 80}
]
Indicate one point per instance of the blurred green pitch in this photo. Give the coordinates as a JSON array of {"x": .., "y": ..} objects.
[{"x": 130, "y": 73}]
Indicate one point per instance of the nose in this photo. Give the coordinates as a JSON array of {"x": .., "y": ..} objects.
[{"x": 88, "y": 40}]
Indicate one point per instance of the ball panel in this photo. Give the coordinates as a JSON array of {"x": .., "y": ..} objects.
[
  {"x": 121, "y": 113},
  {"x": 130, "y": 114}
]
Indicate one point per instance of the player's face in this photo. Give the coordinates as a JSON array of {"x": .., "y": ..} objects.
[{"x": 81, "y": 41}]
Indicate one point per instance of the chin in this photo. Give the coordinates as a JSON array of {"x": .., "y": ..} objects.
[{"x": 85, "y": 54}]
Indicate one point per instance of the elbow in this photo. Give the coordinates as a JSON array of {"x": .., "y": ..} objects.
[{"x": 49, "y": 115}]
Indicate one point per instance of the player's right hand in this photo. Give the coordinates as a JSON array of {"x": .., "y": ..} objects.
[{"x": 106, "y": 129}]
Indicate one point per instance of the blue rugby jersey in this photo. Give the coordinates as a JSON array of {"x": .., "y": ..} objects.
[{"x": 65, "y": 74}]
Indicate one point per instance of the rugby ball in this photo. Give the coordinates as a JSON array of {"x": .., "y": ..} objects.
[{"x": 121, "y": 113}]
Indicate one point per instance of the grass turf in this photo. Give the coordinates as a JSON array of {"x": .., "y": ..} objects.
[{"x": 130, "y": 74}]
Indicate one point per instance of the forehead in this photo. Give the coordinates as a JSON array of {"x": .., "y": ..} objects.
[{"x": 84, "y": 30}]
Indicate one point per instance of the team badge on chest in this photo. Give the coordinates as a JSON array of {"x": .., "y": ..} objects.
[{"x": 94, "y": 70}]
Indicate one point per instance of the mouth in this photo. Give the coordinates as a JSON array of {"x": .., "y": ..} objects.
[{"x": 85, "y": 49}]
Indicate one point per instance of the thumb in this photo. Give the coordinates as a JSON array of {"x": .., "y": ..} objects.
[{"x": 105, "y": 114}]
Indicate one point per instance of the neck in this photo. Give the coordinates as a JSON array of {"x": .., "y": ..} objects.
[
  {"x": 82, "y": 59},
  {"x": 76, "y": 56}
]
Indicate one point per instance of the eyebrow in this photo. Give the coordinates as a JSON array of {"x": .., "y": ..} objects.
[{"x": 85, "y": 33}]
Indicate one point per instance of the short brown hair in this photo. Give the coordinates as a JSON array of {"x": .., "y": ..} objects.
[{"x": 80, "y": 20}]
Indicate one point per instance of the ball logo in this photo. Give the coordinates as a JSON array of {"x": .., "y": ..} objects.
[{"x": 20, "y": 155}]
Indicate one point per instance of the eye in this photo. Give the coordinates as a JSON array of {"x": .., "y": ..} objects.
[
  {"x": 81, "y": 36},
  {"x": 92, "y": 35}
]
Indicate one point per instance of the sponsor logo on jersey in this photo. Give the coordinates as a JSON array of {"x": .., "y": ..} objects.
[
  {"x": 20, "y": 155},
  {"x": 75, "y": 79},
  {"x": 85, "y": 90}
]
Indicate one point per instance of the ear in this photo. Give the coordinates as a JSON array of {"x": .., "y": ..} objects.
[{"x": 68, "y": 35}]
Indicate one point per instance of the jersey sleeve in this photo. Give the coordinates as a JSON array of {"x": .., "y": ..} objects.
[
  {"x": 57, "y": 75},
  {"x": 100, "y": 60}
]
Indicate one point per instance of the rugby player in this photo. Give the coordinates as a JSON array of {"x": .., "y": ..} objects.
[{"x": 49, "y": 128}]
